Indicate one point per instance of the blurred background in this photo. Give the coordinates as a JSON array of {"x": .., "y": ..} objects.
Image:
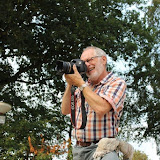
[{"x": 35, "y": 34}]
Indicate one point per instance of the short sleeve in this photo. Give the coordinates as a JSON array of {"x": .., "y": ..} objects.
[{"x": 115, "y": 94}]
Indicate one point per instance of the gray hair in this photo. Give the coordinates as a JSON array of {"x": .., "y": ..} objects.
[{"x": 97, "y": 51}]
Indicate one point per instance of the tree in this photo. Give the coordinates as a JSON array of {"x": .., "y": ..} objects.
[
  {"x": 143, "y": 101},
  {"x": 154, "y": 21},
  {"x": 140, "y": 156},
  {"x": 34, "y": 34}
]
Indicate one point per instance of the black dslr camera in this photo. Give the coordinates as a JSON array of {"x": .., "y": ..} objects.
[{"x": 67, "y": 67}]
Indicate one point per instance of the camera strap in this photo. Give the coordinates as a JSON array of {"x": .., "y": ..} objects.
[{"x": 73, "y": 109}]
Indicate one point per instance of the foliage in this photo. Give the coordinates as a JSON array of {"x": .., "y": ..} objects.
[
  {"x": 140, "y": 156},
  {"x": 143, "y": 102},
  {"x": 34, "y": 34},
  {"x": 154, "y": 20},
  {"x": 47, "y": 151}
]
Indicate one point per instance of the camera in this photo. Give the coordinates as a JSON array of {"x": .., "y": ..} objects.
[{"x": 67, "y": 67}]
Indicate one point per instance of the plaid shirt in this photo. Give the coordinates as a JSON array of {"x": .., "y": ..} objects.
[{"x": 113, "y": 90}]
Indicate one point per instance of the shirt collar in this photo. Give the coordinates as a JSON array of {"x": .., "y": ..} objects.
[{"x": 103, "y": 81}]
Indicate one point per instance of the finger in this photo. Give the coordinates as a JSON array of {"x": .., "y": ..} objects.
[{"x": 75, "y": 68}]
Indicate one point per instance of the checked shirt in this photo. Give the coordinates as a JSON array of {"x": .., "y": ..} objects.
[{"x": 113, "y": 90}]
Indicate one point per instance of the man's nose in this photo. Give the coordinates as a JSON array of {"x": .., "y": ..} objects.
[{"x": 87, "y": 64}]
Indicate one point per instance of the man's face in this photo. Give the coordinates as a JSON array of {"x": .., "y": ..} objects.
[{"x": 95, "y": 65}]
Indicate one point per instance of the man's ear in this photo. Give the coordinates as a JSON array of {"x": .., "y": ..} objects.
[{"x": 104, "y": 58}]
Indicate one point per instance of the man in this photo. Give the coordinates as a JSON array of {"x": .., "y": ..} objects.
[{"x": 104, "y": 97}]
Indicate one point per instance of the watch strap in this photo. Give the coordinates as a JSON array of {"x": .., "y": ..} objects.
[{"x": 82, "y": 86}]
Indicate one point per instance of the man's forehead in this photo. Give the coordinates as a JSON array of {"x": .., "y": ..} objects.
[{"x": 88, "y": 53}]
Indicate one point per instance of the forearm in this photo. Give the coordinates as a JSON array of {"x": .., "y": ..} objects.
[
  {"x": 65, "y": 106},
  {"x": 97, "y": 103}
]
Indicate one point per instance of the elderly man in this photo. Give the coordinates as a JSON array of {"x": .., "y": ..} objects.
[{"x": 104, "y": 97}]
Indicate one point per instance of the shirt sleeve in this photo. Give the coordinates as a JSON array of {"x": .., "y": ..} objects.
[{"x": 115, "y": 94}]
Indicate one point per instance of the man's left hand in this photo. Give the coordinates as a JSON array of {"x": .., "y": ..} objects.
[{"x": 76, "y": 79}]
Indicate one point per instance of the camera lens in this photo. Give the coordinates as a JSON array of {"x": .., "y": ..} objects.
[
  {"x": 63, "y": 67},
  {"x": 67, "y": 67}
]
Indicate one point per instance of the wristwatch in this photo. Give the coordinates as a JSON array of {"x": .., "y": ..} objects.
[{"x": 82, "y": 87}]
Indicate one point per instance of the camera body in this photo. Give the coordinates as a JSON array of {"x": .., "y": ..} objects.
[{"x": 67, "y": 67}]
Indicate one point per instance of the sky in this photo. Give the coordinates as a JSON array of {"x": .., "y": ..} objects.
[{"x": 149, "y": 148}]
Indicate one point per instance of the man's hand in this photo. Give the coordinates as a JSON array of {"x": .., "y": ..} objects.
[{"x": 74, "y": 79}]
